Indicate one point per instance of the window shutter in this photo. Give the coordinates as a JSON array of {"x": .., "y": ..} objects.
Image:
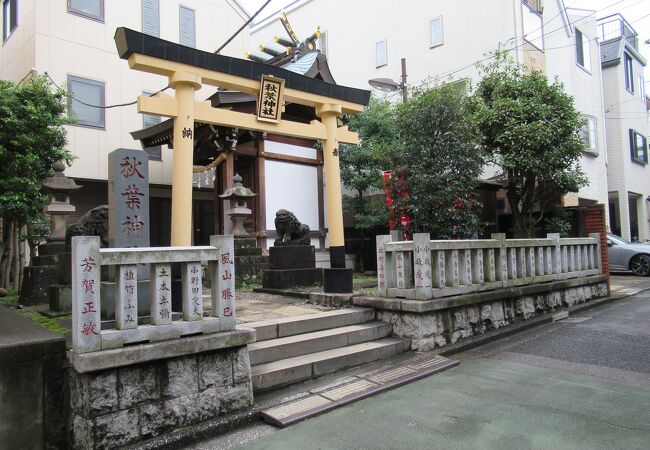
[
  {"x": 151, "y": 17},
  {"x": 187, "y": 27}
]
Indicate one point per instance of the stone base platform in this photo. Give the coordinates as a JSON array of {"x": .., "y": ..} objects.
[
  {"x": 439, "y": 322},
  {"x": 330, "y": 300},
  {"x": 286, "y": 278},
  {"x": 292, "y": 265},
  {"x": 119, "y": 397}
]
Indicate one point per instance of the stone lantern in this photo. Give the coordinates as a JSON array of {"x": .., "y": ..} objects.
[
  {"x": 238, "y": 196},
  {"x": 45, "y": 269},
  {"x": 58, "y": 189}
]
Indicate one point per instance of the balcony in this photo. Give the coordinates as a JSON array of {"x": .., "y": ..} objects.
[{"x": 614, "y": 26}]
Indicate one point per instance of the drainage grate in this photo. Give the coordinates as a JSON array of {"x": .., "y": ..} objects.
[{"x": 355, "y": 388}]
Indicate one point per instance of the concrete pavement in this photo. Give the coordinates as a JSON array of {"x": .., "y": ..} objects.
[
  {"x": 579, "y": 383},
  {"x": 583, "y": 382}
]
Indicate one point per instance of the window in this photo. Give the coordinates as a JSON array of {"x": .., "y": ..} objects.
[
  {"x": 90, "y": 92},
  {"x": 638, "y": 147},
  {"x": 436, "y": 31},
  {"x": 151, "y": 17},
  {"x": 380, "y": 52},
  {"x": 534, "y": 4},
  {"x": 629, "y": 73},
  {"x": 533, "y": 27},
  {"x": 148, "y": 120},
  {"x": 10, "y": 18},
  {"x": 588, "y": 132},
  {"x": 583, "y": 55},
  {"x": 92, "y": 9},
  {"x": 187, "y": 27},
  {"x": 460, "y": 87},
  {"x": 322, "y": 43},
  {"x": 642, "y": 87}
]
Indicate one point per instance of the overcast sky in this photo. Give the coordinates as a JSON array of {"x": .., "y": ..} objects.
[{"x": 637, "y": 13}]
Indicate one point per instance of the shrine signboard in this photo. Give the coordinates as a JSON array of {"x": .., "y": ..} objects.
[{"x": 270, "y": 100}]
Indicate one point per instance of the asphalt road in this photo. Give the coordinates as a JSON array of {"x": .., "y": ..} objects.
[{"x": 580, "y": 383}]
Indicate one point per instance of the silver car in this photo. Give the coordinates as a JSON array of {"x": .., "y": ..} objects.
[{"x": 625, "y": 255}]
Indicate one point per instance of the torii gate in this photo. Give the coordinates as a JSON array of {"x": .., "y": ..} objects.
[{"x": 188, "y": 69}]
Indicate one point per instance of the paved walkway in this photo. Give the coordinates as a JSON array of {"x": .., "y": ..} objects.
[{"x": 581, "y": 383}]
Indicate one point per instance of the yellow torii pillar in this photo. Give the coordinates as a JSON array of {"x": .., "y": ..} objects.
[
  {"x": 184, "y": 84},
  {"x": 328, "y": 114}
]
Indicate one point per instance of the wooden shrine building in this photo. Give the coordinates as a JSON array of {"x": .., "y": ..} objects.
[{"x": 285, "y": 171}]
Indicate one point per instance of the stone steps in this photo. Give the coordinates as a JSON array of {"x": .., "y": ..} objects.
[
  {"x": 291, "y": 326},
  {"x": 274, "y": 374},
  {"x": 302, "y": 344},
  {"x": 298, "y": 348}
]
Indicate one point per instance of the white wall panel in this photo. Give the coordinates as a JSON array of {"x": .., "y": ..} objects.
[{"x": 293, "y": 187}]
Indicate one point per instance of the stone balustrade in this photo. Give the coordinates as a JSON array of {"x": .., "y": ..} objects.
[
  {"x": 87, "y": 260},
  {"x": 424, "y": 269}
]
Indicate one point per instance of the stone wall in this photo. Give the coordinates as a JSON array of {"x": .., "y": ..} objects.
[
  {"x": 31, "y": 384},
  {"x": 114, "y": 407},
  {"x": 437, "y": 323}
]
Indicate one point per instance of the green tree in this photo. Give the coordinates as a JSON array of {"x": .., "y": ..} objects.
[
  {"x": 32, "y": 138},
  {"x": 436, "y": 163},
  {"x": 362, "y": 164},
  {"x": 529, "y": 128}
]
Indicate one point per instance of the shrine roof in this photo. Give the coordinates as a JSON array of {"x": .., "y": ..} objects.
[{"x": 130, "y": 41}]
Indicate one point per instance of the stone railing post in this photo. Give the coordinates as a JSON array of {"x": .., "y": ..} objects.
[
  {"x": 597, "y": 260},
  {"x": 160, "y": 294},
  {"x": 422, "y": 266},
  {"x": 382, "y": 278},
  {"x": 223, "y": 282},
  {"x": 501, "y": 257},
  {"x": 126, "y": 293},
  {"x": 192, "y": 291},
  {"x": 557, "y": 253},
  {"x": 86, "y": 283}
]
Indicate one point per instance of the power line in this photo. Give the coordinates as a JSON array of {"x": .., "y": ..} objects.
[
  {"x": 242, "y": 27},
  {"x": 118, "y": 105}
]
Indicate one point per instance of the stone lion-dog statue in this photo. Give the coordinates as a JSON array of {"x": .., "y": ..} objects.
[{"x": 290, "y": 230}]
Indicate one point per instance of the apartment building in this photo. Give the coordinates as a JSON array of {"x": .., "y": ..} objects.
[
  {"x": 72, "y": 40},
  {"x": 627, "y": 127},
  {"x": 443, "y": 40}
]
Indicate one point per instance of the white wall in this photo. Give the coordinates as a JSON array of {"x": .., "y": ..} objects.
[
  {"x": 67, "y": 44},
  {"x": 584, "y": 86},
  {"x": 17, "y": 53},
  {"x": 470, "y": 30},
  {"x": 625, "y": 111}
]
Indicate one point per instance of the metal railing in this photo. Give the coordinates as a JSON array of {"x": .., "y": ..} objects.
[
  {"x": 615, "y": 26},
  {"x": 424, "y": 269},
  {"x": 87, "y": 260}
]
